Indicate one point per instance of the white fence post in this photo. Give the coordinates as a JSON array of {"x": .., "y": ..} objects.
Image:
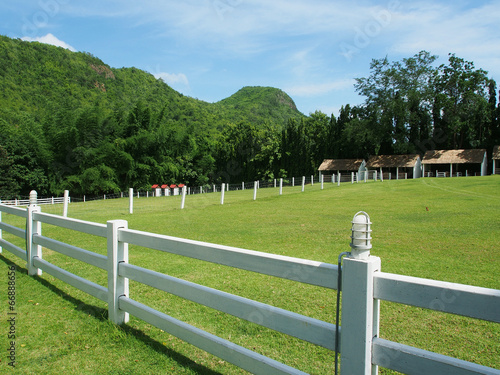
[
  {"x": 322, "y": 181},
  {"x": 281, "y": 186},
  {"x": 222, "y": 191},
  {"x": 293, "y": 181},
  {"x": 183, "y": 197},
  {"x": 255, "y": 190},
  {"x": 312, "y": 180},
  {"x": 360, "y": 315},
  {"x": 117, "y": 285},
  {"x": 65, "y": 203},
  {"x": 360, "y": 311},
  {"x": 339, "y": 176},
  {"x": 131, "y": 200},
  {"x": 303, "y": 182},
  {"x": 32, "y": 228},
  {"x": 0, "y": 228},
  {"x": 243, "y": 185}
]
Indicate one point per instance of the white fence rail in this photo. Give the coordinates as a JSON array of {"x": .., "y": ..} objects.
[
  {"x": 363, "y": 287},
  {"x": 40, "y": 201}
]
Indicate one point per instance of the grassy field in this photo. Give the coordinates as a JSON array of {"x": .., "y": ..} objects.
[{"x": 444, "y": 229}]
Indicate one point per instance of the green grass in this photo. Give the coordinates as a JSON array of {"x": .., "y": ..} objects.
[{"x": 444, "y": 229}]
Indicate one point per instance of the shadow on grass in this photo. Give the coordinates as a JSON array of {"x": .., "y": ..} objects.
[{"x": 102, "y": 315}]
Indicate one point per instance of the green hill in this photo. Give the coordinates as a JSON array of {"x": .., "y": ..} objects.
[
  {"x": 70, "y": 121},
  {"x": 256, "y": 103}
]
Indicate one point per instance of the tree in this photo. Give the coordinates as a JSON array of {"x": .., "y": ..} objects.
[
  {"x": 9, "y": 188},
  {"x": 401, "y": 93},
  {"x": 462, "y": 103},
  {"x": 416, "y": 106}
]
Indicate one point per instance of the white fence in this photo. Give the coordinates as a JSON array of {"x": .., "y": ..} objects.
[
  {"x": 188, "y": 190},
  {"x": 362, "y": 351},
  {"x": 40, "y": 201}
]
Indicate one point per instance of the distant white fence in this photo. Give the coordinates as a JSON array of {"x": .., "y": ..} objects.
[
  {"x": 186, "y": 191},
  {"x": 362, "y": 351},
  {"x": 40, "y": 201}
]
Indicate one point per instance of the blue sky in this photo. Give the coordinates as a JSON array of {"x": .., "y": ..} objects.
[{"x": 312, "y": 49}]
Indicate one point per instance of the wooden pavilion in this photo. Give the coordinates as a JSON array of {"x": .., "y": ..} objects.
[
  {"x": 496, "y": 160},
  {"x": 331, "y": 167},
  {"x": 448, "y": 163},
  {"x": 396, "y": 166}
]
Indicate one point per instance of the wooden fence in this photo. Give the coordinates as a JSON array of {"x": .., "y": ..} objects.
[{"x": 362, "y": 351}]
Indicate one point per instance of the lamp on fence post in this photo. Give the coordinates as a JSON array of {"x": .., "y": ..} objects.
[{"x": 361, "y": 236}]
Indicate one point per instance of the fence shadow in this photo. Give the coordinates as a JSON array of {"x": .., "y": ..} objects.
[{"x": 101, "y": 315}]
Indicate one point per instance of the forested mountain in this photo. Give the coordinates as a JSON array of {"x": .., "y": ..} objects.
[{"x": 69, "y": 121}]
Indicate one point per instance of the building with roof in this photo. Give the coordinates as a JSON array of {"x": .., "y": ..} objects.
[
  {"x": 330, "y": 167},
  {"x": 157, "y": 190},
  {"x": 496, "y": 160},
  {"x": 444, "y": 163},
  {"x": 396, "y": 166}
]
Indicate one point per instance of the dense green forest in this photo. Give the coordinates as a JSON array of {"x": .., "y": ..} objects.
[{"x": 69, "y": 121}]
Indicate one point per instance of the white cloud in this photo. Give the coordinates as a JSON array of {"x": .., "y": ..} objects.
[
  {"x": 320, "y": 88},
  {"x": 50, "y": 39},
  {"x": 238, "y": 27},
  {"x": 442, "y": 29},
  {"x": 178, "y": 81}
]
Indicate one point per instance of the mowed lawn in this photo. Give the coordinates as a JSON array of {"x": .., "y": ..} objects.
[{"x": 444, "y": 229}]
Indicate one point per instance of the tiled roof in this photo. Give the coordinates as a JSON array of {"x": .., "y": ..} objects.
[
  {"x": 340, "y": 165},
  {"x": 496, "y": 152},
  {"x": 392, "y": 161},
  {"x": 453, "y": 156}
]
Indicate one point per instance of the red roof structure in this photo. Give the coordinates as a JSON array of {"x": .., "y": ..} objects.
[
  {"x": 164, "y": 186},
  {"x": 181, "y": 185},
  {"x": 154, "y": 186},
  {"x": 173, "y": 186}
]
